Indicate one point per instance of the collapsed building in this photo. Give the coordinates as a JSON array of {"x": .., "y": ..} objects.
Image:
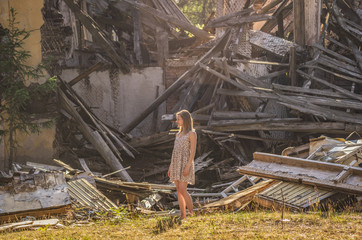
[{"x": 274, "y": 75}]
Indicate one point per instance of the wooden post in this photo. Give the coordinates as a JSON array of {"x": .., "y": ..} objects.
[
  {"x": 137, "y": 35},
  {"x": 307, "y": 21},
  {"x": 292, "y": 66},
  {"x": 312, "y": 15},
  {"x": 299, "y": 22},
  {"x": 162, "y": 46}
]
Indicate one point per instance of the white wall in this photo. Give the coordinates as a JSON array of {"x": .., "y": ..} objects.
[{"x": 117, "y": 98}]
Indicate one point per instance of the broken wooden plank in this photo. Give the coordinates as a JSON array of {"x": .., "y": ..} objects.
[
  {"x": 243, "y": 196},
  {"x": 283, "y": 11},
  {"x": 316, "y": 127},
  {"x": 241, "y": 115},
  {"x": 318, "y": 92},
  {"x": 343, "y": 76},
  {"x": 233, "y": 186},
  {"x": 335, "y": 55},
  {"x": 233, "y": 135},
  {"x": 252, "y": 121},
  {"x": 347, "y": 171},
  {"x": 102, "y": 128},
  {"x": 268, "y": 6},
  {"x": 85, "y": 166},
  {"x": 241, "y": 75},
  {"x": 240, "y": 20},
  {"x": 94, "y": 137},
  {"x": 223, "y": 77},
  {"x": 347, "y": 68},
  {"x": 309, "y": 108},
  {"x": 273, "y": 75},
  {"x": 243, "y": 12},
  {"x": 230, "y": 92},
  {"x": 331, "y": 85},
  {"x": 29, "y": 224},
  {"x": 112, "y": 173},
  {"x": 261, "y": 62}
]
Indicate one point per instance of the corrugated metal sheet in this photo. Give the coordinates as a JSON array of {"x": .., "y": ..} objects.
[
  {"x": 88, "y": 196},
  {"x": 295, "y": 195}
]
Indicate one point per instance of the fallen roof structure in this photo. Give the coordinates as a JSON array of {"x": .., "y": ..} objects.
[{"x": 325, "y": 175}]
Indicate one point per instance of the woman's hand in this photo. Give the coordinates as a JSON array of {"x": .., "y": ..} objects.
[{"x": 186, "y": 171}]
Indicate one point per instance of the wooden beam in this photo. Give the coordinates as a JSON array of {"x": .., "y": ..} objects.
[
  {"x": 316, "y": 127},
  {"x": 224, "y": 78},
  {"x": 220, "y": 123},
  {"x": 84, "y": 74},
  {"x": 241, "y": 115},
  {"x": 243, "y": 12},
  {"x": 240, "y": 21}
]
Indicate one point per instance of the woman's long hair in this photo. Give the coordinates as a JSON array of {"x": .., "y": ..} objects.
[{"x": 188, "y": 122}]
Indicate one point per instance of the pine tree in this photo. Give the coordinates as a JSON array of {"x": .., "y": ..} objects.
[{"x": 14, "y": 94}]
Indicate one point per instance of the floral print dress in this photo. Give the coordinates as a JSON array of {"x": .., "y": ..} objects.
[{"x": 179, "y": 159}]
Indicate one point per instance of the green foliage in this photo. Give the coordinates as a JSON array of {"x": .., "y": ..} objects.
[
  {"x": 165, "y": 223},
  {"x": 15, "y": 96},
  {"x": 197, "y": 11}
]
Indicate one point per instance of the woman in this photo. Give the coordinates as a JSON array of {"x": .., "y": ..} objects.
[{"x": 181, "y": 170}]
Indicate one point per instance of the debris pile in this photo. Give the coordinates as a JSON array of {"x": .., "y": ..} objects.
[{"x": 249, "y": 91}]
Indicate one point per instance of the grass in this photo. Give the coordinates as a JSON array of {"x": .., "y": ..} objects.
[{"x": 242, "y": 225}]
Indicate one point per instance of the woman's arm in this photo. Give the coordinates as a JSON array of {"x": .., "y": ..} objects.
[{"x": 193, "y": 140}]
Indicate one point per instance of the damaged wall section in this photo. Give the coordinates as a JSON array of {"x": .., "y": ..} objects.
[{"x": 117, "y": 98}]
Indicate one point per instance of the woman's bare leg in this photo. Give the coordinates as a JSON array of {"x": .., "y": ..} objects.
[
  {"x": 186, "y": 196},
  {"x": 181, "y": 200}
]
